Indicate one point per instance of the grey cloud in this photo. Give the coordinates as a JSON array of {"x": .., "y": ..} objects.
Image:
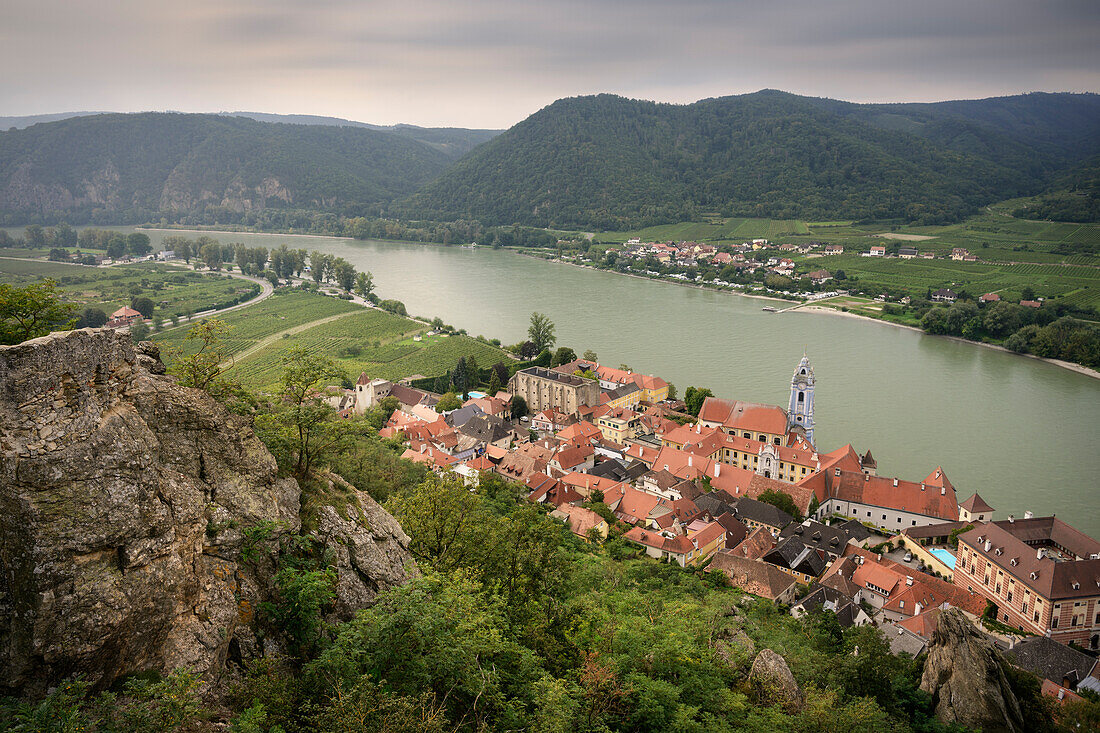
[{"x": 491, "y": 62}]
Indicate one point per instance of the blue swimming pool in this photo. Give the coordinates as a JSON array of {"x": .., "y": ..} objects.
[{"x": 945, "y": 557}]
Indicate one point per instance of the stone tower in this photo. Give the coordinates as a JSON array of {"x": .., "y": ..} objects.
[{"x": 800, "y": 414}]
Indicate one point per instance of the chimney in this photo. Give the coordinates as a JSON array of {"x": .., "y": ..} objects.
[
  {"x": 943, "y": 491},
  {"x": 1028, "y": 515},
  {"x": 1011, "y": 519},
  {"x": 689, "y": 460},
  {"x": 987, "y": 545},
  {"x": 1039, "y": 554},
  {"x": 717, "y": 469},
  {"x": 917, "y": 610},
  {"x": 895, "y": 482},
  {"x": 909, "y": 580}
]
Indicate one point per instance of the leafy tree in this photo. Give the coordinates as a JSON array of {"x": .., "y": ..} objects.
[
  {"x": 541, "y": 331},
  {"x": 694, "y": 398},
  {"x": 144, "y": 306},
  {"x": 782, "y": 501},
  {"x": 671, "y": 391},
  {"x": 364, "y": 284},
  {"x": 201, "y": 367},
  {"x": 139, "y": 331},
  {"x": 116, "y": 247},
  {"x": 459, "y": 377},
  {"x": 344, "y": 273},
  {"x": 320, "y": 266},
  {"x": 528, "y": 350},
  {"x": 64, "y": 235},
  {"x": 35, "y": 236},
  {"x": 31, "y": 311},
  {"x": 563, "y": 355},
  {"x": 449, "y": 401},
  {"x": 501, "y": 372},
  {"x": 314, "y": 426},
  {"x": 137, "y": 243},
  {"x": 494, "y": 382},
  {"x": 1028, "y": 293},
  {"x": 211, "y": 254},
  {"x": 590, "y": 355},
  {"x": 519, "y": 407},
  {"x": 91, "y": 318}
]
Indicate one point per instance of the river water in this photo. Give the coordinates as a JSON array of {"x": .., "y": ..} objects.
[{"x": 1020, "y": 431}]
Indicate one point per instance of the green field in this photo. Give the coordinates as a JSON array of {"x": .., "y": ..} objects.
[
  {"x": 172, "y": 289},
  {"x": 714, "y": 230},
  {"x": 1075, "y": 285},
  {"x": 360, "y": 340}
]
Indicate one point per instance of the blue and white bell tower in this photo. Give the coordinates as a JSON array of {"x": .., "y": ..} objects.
[{"x": 800, "y": 414}]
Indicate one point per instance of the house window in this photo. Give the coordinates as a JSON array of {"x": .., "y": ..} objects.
[
  {"x": 868, "y": 514},
  {"x": 1036, "y": 617},
  {"x": 1054, "y": 622},
  {"x": 1009, "y": 598},
  {"x": 884, "y": 517}
]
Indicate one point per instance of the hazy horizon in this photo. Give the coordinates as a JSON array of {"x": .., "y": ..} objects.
[
  {"x": 241, "y": 112},
  {"x": 490, "y": 63}
]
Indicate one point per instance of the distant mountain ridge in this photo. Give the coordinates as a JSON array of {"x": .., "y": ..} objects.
[
  {"x": 609, "y": 162},
  {"x": 135, "y": 167},
  {"x": 452, "y": 141},
  {"x": 597, "y": 162}
]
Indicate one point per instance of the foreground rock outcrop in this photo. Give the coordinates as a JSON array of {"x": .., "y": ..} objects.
[
  {"x": 124, "y": 499},
  {"x": 772, "y": 682},
  {"x": 965, "y": 675}
]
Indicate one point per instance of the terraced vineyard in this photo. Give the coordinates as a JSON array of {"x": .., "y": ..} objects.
[
  {"x": 1076, "y": 285},
  {"x": 432, "y": 357},
  {"x": 172, "y": 289},
  {"x": 360, "y": 340},
  {"x": 282, "y": 311}
]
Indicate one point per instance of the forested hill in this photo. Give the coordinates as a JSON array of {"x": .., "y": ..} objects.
[
  {"x": 610, "y": 162},
  {"x": 131, "y": 167}
]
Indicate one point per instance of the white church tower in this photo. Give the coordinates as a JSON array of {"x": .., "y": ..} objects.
[{"x": 800, "y": 414}]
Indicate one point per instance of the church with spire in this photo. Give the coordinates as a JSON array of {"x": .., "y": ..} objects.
[{"x": 800, "y": 413}]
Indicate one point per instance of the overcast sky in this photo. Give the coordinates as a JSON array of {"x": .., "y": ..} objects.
[{"x": 490, "y": 63}]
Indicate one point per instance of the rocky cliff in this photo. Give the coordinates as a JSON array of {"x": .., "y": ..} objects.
[
  {"x": 966, "y": 677},
  {"x": 124, "y": 503}
]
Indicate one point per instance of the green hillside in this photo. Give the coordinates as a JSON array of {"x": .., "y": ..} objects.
[
  {"x": 130, "y": 167},
  {"x": 606, "y": 162}
]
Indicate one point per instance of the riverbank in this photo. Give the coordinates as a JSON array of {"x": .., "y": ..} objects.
[
  {"x": 670, "y": 281},
  {"x": 1079, "y": 368}
]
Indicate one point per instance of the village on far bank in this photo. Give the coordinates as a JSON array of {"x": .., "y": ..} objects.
[
  {"x": 741, "y": 488},
  {"x": 767, "y": 268}
]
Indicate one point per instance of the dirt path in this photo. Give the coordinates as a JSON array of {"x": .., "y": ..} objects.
[{"x": 268, "y": 340}]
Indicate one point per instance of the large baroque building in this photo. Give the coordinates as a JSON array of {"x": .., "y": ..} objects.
[
  {"x": 546, "y": 388},
  {"x": 1042, "y": 574}
]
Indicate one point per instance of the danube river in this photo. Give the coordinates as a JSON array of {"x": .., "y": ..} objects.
[{"x": 1020, "y": 431}]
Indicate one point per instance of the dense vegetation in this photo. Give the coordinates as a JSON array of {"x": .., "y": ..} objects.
[
  {"x": 1075, "y": 197},
  {"x": 513, "y": 623},
  {"x": 129, "y": 168},
  {"x": 606, "y": 162}
]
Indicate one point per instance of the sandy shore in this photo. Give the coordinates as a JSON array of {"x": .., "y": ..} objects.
[{"x": 1056, "y": 362}]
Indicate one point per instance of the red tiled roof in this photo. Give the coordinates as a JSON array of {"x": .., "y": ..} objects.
[
  {"x": 975, "y": 504},
  {"x": 756, "y": 545}
]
